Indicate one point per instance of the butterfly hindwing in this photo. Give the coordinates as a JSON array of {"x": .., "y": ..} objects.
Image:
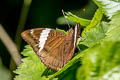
[
  {"x": 55, "y": 58},
  {"x": 70, "y": 42}
]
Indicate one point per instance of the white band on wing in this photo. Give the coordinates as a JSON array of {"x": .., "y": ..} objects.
[
  {"x": 43, "y": 38},
  {"x": 75, "y": 36}
]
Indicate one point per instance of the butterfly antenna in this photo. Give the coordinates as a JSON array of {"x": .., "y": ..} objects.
[{"x": 65, "y": 18}]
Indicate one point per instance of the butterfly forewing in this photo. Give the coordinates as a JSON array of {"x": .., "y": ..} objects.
[
  {"x": 32, "y": 37},
  {"x": 51, "y": 53}
]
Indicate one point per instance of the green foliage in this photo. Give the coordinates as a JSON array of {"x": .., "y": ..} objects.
[
  {"x": 95, "y": 34},
  {"x": 61, "y": 30},
  {"x": 109, "y": 7},
  {"x": 100, "y": 60},
  {"x": 74, "y": 18},
  {"x": 4, "y": 72},
  {"x": 96, "y": 19},
  {"x": 31, "y": 68}
]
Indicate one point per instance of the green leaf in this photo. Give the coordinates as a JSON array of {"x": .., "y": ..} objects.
[
  {"x": 31, "y": 68},
  {"x": 95, "y": 34},
  {"x": 61, "y": 30},
  {"x": 114, "y": 24},
  {"x": 102, "y": 31},
  {"x": 74, "y": 18},
  {"x": 61, "y": 21},
  {"x": 114, "y": 33},
  {"x": 4, "y": 72},
  {"x": 96, "y": 19},
  {"x": 109, "y": 7},
  {"x": 101, "y": 62}
]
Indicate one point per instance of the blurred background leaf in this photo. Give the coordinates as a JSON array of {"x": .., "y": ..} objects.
[
  {"x": 101, "y": 62},
  {"x": 4, "y": 72}
]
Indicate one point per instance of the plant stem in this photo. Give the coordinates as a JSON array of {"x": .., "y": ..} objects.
[
  {"x": 10, "y": 45},
  {"x": 22, "y": 22}
]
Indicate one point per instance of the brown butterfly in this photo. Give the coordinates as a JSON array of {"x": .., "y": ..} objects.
[{"x": 53, "y": 47}]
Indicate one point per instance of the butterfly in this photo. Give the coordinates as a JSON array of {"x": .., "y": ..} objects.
[{"x": 53, "y": 47}]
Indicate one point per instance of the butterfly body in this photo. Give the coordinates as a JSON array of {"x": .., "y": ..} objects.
[{"x": 54, "y": 48}]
